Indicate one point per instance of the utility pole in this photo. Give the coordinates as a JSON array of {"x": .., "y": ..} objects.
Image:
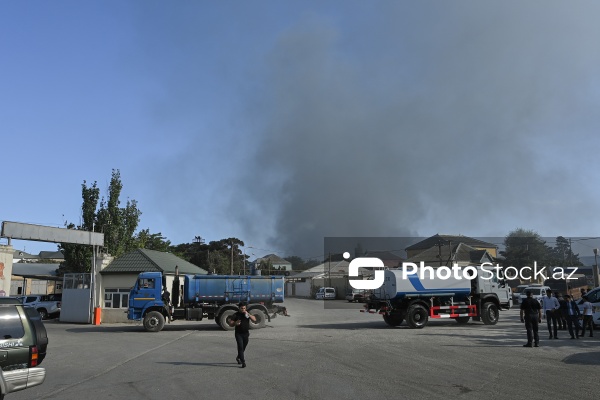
[
  {"x": 231, "y": 259},
  {"x": 329, "y": 274},
  {"x": 596, "y": 276}
]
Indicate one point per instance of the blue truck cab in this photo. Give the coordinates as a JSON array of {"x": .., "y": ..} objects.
[{"x": 145, "y": 295}]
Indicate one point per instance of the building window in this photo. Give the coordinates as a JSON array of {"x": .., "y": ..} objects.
[{"x": 116, "y": 298}]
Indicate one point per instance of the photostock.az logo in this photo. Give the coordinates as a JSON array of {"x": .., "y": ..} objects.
[{"x": 365, "y": 262}]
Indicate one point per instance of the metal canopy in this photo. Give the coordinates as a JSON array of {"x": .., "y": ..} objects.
[{"x": 18, "y": 230}]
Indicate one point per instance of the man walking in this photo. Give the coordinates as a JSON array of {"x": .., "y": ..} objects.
[
  {"x": 531, "y": 314},
  {"x": 551, "y": 309},
  {"x": 241, "y": 321},
  {"x": 572, "y": 313}
]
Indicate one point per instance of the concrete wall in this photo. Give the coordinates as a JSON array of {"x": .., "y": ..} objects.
[
  {"x": 298, "y": 289},
  {"x": 6, "y": 262}
]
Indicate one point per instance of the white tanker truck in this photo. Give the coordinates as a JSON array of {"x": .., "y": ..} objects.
[{"x": 418, "y": 293}]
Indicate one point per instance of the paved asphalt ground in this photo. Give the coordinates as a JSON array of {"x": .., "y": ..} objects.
[{"x": 316, "y": 353}]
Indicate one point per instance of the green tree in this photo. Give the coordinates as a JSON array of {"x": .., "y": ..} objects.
[
  {"x": 78, "y": 258},
  {"x": 215, "y": 257},
  {"x": 561, "y": 255},
  {"x": 299, "y": 264},
  {"x": 266, "y": 265},
  {"x": 117, "y": 224},
  {"x": 523, "y": 248},
  {"x": 152, "y": 241}
]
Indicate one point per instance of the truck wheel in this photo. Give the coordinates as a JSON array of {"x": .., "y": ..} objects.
[
  {"x": 154, "y": 321},
  {"x": 489, "y": 314},
  {"x": 393, "y": 319},
  {"x": 462, "y": 320},
  {"x": 43, "y": 313},
  {"x": 224, "y": 317},
  {"x": 417, "y": 316},
  {"x": 261, "y": 320}
]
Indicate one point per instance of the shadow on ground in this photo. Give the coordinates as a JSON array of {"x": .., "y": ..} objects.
[
  {"x": 135, "y": 328},
  {"x": 588, "y": 358}
]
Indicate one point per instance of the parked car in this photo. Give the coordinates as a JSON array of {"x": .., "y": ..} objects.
[
  {"x": 521, "y": 290},
  {"x": 48, "y": 305},
  {"x": 325, "y": 293},
  {"x": 357, "y": 295},
  {"x": 537, "y": 292},
  {"x": 20, "y": 356},
  {"x": 36, "y": 319}
]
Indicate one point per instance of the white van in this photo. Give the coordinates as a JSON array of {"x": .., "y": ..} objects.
[
  {"x": 521, "y": 290},
  {"x": 325, "y": 293}
]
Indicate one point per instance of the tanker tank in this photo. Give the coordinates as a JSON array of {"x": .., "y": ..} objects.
[
  {"x": 396, "y": 287},
  {"x": 251, "y": 289}
]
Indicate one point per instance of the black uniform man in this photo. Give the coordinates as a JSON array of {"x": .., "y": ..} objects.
[
  {"x": 531, "y": 314},
  {"x": 241, "y": 321}
]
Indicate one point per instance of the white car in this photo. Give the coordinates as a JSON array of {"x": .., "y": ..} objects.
[
  {"x": 537, "y": 292},
  {"x": 521, "y": 290},
  {"x": 325, "y": 293},
  {"x": 47, "y": 305}
]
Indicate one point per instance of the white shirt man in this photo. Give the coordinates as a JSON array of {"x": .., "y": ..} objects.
[
  {"x": 551, "y": 307},
  {"x": 587, "y": 308},
  {"x": 587, "y": 317}
]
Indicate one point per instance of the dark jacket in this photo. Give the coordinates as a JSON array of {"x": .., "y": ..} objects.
[{"x": 573, "y": 305}]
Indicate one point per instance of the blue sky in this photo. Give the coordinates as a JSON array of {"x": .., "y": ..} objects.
[{"x": 283, "y": 122}]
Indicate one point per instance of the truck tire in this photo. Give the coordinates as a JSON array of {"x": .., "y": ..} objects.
[
  {"x": 225, "y": 315},
  {"x": 489, "y": 314},
  {"x": 462, "y": 320},
  {"x": 43, "y": 313},
  {"x": 417, "y": 316},
  {"x": 393, "y": 319},
  {"x": 261, "y": 319},
  {"x": 154, "y": 321}
]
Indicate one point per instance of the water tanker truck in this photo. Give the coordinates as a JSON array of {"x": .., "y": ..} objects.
[
  {"x": 415, "y": 296},
  {"x": 201, "y": 297}
]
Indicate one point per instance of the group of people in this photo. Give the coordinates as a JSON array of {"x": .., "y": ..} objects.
[{"x": 561, "y": 312}]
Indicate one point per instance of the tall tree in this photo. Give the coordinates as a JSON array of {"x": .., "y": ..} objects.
[
  {"x": 523, "y": 248},
  {"x": 78, "y": 258},
  {"x": 118, "y": 225},
  {"x": 215, "y": 257},
  {"x": 561, "y": 255},
  {"x": 152, "y": 241}
]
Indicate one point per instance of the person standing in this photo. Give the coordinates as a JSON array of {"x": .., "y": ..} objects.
[
  {"x": 531, "y": 314},
  {"x": 572, "y": 313},
  {"x": 166, "y": 298},
  {"x": 551, "y": 308},
  {"x": 241, "y": 321},
  {"x": 561, "y": 313},
  {"x": 587, "y": 317}
]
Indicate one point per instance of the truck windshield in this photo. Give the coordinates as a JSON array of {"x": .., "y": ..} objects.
[{"x": 146, "y": 283}]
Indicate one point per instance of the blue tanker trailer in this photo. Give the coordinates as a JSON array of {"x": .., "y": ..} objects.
[{"x": 213, "y": 297}]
